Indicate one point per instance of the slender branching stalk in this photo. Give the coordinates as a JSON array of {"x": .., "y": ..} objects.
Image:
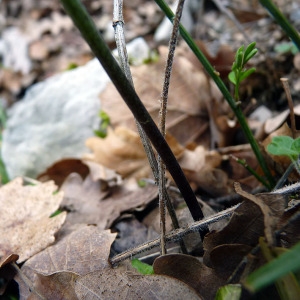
[
  {"x": 232, "y": 103},
  {"x": 86, "y": 26},
  {"x": 247, "y": 167},
  {"x": 118, "y": 24},
  {"x": 162, "y": 122},
  {"x": 282, "y": 21},
  {"x": 174, "y": 235}
]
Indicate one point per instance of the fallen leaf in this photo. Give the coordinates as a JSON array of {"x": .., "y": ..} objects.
[
  {"x": 271, "y": 205},
  {"x": 62, "y": 168},
  {"x": 26, "y": 227},
  {"x": 123, "y": 152},
  {"x": 115, "y": 284},
  {"x": 245, "y": 227},
  {"x": 191, "y": 271},
  {"x": 186, "y": 118},
  {"x": 225, "y": 258},
  {"x": 86, "y": 203},
  {"x": 82, "y": 251},
  {"x": 58, "y": 286}
]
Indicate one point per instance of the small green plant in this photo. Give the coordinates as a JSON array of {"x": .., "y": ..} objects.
[
  {"x": 238, "y": 71},
  {"x": 104, "y": 123},
  {"x": 141, "y": 267},
  {"x": 286, "y": 47},
  {"x": 285, "y": 145}
]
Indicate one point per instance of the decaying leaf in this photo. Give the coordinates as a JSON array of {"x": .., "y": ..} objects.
[
  {"x": 271, "y": 205},
  {"x": 87, "y": 203},
  {"x": 123, "y": 152},
  {"x": 58, "y": 286},
  {"x": 190, "y": 270},
  {"x": 115, "y": 284},
  {"x": 82, "y": 251},
  {"x": 185, "y": 81},
  {"x": 62, "y": 168},
  {"x": 25, "y": 226}
]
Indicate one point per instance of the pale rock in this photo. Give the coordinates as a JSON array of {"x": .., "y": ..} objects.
[{"x": 55, "y": 117}]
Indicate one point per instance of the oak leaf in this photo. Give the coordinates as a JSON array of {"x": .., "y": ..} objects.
[{"x": 25, "y": 226}]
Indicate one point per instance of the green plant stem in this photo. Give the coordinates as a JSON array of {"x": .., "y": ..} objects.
[
  {"x": 247, "y": 167},
  {"x": 282, "y": 21},
  {"x": 86, "y": 26},
  {"x": 232, "y": 103}
]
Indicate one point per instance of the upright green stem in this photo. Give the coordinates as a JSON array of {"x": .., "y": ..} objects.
[
  {"x": 232, "y": 103},
  {"x": 86, "y": 26},
  {"x": 282, "y": 21}
]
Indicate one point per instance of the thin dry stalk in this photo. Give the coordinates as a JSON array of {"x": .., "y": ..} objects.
[
  {"x": 285, "y": 83},
  {"x": 174, "y": 235},
  {"x": 118, "y": 24},
  {"x": 162, "y": 122}
]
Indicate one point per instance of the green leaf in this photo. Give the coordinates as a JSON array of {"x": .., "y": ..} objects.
[
  {"x": 239, "y": 60},
  {"x": 142, "y": 267},
  {"x": 250, "y": 52},
  {"x": 249, "y": 48},
  {"x": 229, "y": 292},
  {"x": 246, "y": 73},
  {"x": 286, "y": 263},
  {"x": 296, "y": 145},
  {"x": 282, "y": 145},
  {"x": 250, "y": 55},
  {"x": 232, "y": 77}
]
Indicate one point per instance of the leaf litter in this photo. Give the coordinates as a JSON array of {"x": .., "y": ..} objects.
[{"x": 75, "y": 264}]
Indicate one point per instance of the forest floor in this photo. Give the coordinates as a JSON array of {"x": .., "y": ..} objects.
[{"x": 107, "y": 202}]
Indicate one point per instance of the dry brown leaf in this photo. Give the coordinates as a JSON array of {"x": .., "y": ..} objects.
[
  {"x": 25, "y": 226},
  {"x": 245, "y": 227},
  {"x": 189, "y": 91},
  {"x": 222, "y": 61},
  {"x": 85, "y": 201},
  {"x": 190, "y": 270},
  {"x": 118, "y": 284},
  {"x": 81, "y": 252},
  {"x": 58, "y": 286},
  {"x": 275, "y": 123},
  {"x": 62, "y": 168},
  {"x": 225, "y": 258},
  {"x": 123, "y": 152},
  {"x": 271, "y": 205}
]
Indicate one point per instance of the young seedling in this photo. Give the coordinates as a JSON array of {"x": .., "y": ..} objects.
[
  {"x": 285, "y": 145},
  {"x": 103, "y": 126},
  {"x": 238, "y": 71}
]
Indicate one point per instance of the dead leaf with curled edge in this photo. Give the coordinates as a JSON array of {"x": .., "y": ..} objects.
[
  {"x": 88, "y": 204},
  {"x": 123, "y": 152},
  {"x": 82, "y": 251},
  {"x": 190, "y": 95},
  {"x": 121, "y": 285},
  {"x": 191, "y": 271},
  {"x": 25, "y": 225},
  {"x": 272, "y": 207}
]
